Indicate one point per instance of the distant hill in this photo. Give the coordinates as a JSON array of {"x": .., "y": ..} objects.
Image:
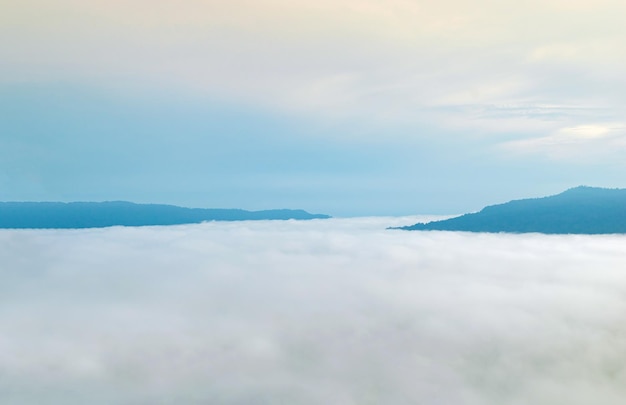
[
  {"x": 111, "y": 213},
  {"x": 580, "y": 210}
]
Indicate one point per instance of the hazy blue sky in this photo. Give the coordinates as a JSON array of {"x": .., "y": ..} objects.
[{"x": 344, "y": 107}]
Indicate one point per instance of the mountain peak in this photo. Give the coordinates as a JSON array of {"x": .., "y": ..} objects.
[{"x": 579, "y": 210}]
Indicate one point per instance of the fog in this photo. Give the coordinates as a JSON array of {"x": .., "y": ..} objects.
[{"x": 338, "y": 311}]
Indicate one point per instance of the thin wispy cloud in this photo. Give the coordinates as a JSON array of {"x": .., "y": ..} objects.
[
  {"x": 329, "y": 58},
  {"x": 587, "y": 142}
]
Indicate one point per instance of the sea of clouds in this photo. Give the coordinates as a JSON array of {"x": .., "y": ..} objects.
[{"x": 338, "y": 311}]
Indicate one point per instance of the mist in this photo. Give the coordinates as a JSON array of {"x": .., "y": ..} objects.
[{"x": 338, "y": 311}]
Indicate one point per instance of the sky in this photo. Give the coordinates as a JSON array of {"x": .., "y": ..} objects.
[
  {"x": 341, "y": 107},
  {"x": 337, "y": 311}
]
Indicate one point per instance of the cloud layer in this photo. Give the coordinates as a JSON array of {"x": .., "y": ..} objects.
[{"x": 336, "y": 311}]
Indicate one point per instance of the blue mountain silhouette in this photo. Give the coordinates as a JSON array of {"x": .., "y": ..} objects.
[
  {"x": 112, "y": 213},
  {"x": 580, "y": 210}
]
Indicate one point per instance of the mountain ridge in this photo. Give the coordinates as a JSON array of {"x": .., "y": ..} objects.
[
  {"x": 578, "y": 210},
  {"x": 77, "y": 215}
]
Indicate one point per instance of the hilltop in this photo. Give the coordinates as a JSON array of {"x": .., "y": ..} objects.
[
  {"x": 112, "y": 213},
  {"x": 580, "y": 210}
]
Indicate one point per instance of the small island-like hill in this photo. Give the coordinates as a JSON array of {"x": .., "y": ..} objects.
[
  {"x": 580, "y": 210},
  {"x": 121, "y": 213}
]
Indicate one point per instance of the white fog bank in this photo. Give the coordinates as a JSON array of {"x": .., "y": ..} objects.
[{"x": 336, "y": 311}]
